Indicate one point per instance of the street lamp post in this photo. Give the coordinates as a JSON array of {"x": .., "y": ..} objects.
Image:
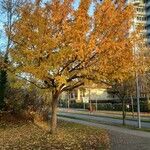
[
  {"x": 137, "y": 95},
  {"x": 136, "y": 54},
  {"x": 132, "y": 106},
  {"x": 138, "y": 100},
  {"x": 90, "y": 100},
  {"x": 96, "y": 104},
  {"x": 68, "y": 100}
]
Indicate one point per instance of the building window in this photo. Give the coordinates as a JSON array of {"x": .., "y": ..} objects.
[
  {"x": 141, "y": 18},
  {"x": 72, "y": 95},
  {"x": 139, "y": 9}
]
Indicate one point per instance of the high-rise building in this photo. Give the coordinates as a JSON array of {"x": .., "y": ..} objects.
[
  {"x": 140, "y": 14},
  {"x": 147, "y": 8}
]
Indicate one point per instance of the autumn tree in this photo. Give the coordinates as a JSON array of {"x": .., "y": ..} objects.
[
  {"x": 9, "y": 12},
  {"x": 59, "y": 48}
]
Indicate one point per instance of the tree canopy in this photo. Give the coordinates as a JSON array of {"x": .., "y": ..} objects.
[{"x": 60, "y": 47}]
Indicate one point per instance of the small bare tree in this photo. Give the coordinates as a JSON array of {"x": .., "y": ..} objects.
[{"x": 124, "y": 90}]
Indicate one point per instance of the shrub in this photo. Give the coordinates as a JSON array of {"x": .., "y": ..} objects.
[{"x": 27, "y": 102}]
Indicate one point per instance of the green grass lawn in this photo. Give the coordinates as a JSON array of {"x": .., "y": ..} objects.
[{"x": 21, "y": 134}]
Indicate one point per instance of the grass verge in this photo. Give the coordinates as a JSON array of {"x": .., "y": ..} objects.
[
  {"x": 95, "y": 121},
  {"x": 113, "y": 117}
]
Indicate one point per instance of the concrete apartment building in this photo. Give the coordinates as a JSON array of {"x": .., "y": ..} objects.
[
  {"x": 147, "y": 8},
  {"x": 140, "y": 14}
]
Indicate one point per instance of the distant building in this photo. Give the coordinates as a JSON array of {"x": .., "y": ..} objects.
[{"x": 90, "y": 93}]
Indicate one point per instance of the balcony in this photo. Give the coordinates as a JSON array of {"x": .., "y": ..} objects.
[
  {"x": 136, "y": 2},
  {"x": 142, "y": 22},
  {"x": 140, "y": 13}
]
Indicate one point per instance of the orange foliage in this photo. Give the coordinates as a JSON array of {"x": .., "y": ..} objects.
[{"x": 60, "y": 47}]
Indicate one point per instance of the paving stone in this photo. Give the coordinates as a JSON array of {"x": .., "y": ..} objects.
[
  {"x": 121, "y": 138},
  {"x": 122, "y": 141}
]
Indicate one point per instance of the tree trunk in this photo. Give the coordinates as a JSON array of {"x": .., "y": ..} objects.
[
  {"x": 54, "y": 112},
  {"x": 123, "y": 112}
]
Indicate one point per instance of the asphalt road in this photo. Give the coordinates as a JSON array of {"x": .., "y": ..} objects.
[
  {"x": 102, "y": 119},
  {"x": 117, "y": 114}
]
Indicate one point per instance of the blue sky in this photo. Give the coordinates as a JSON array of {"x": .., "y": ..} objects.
[
  {"x": 77, "y": 2},
  {"x": 2, "y": 33},
  {"x": 2, "y": 20}
]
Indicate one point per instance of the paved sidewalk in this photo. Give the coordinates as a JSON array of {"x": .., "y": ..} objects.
[
  {"x": 122, "y": 141},
  {"x": 121, "y": 138}
]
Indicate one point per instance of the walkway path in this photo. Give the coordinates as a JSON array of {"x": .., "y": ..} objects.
[{"x": 121, "y": 138}]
